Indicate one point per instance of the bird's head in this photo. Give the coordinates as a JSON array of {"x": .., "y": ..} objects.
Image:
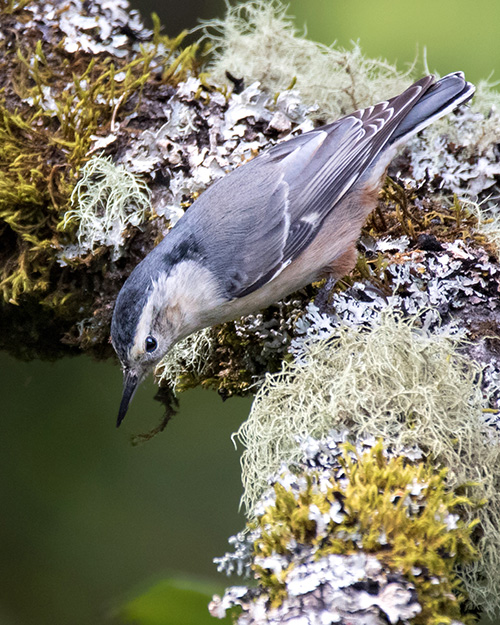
[
  {"x": 143, "y": 329},
  {"x": 170, "y": 294}
]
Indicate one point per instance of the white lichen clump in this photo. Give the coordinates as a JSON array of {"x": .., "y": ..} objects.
[
  {"x": 97, "y": 29},
  {"x": 106, "y": 200},
  {"x": 447, "y": 289}
]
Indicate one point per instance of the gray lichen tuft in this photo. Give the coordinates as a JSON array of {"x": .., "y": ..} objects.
[
  {"x": 258, "y": 41},
  {"x": 106, "y": 200}
]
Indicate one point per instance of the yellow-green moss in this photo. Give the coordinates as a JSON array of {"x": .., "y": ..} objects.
[
  {"x": 425, "y": 545},
  {"x": 53, "y": 104}
]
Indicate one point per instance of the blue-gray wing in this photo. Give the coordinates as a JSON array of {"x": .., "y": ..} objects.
[{"x": 265, "y": 213}]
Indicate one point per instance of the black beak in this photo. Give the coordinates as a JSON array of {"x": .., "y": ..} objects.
[{"x": 130, "y": 384}]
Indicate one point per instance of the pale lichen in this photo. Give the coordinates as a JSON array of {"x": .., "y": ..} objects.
[
  {"x": 258, "y": 41},
  {"x": 190, "y": 354},
  {"x": 106, "y": 200},
  {"x": 346, "y": 519},
  {"x": 398, "y": 382},
  {"x": 487, "y": 213},
  {"x": 459, "y": 153}
]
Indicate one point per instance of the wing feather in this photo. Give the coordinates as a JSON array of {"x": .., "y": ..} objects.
[{"x": 269, "y": 210}]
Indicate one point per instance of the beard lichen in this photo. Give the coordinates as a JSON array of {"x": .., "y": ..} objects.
[
  {"x": 258, "y": 41},
  {"x": 396, "y": 382},
  {"x": 105, "y": 201},
  {"x": 190, "y": 354}
]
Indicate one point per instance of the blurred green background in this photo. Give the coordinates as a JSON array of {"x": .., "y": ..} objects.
[
  {"x": 456, "y": 34},
  {"x": 89, "y": 522},
  {"x": 87, "y": 518}
]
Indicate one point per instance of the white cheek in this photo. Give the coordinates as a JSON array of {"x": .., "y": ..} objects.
[
  {"x": 192, "y": 294},
  {"x": 143, "y": 330},
  {"x": 180, "y": 303}
]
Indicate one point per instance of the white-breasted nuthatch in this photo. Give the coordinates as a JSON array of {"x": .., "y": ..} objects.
[{"x": 271, "y": 226}]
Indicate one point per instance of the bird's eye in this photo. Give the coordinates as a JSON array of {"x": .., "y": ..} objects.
[{"x": 151, "y": 344}]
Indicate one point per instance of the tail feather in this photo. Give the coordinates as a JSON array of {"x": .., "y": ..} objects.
[{"x": 440, "y": 98}]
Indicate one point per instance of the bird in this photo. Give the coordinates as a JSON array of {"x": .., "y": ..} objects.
[{"x": 280, "y": 221}]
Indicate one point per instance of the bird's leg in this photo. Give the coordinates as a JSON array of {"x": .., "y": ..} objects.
[
  {"x": 338, "y": 268},
  {"x": 321, "y": 299}
]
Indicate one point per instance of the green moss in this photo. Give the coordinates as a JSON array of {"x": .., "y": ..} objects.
[
  {"x": 397, "y": 510},
  {"x": 52, "y": 105}
]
